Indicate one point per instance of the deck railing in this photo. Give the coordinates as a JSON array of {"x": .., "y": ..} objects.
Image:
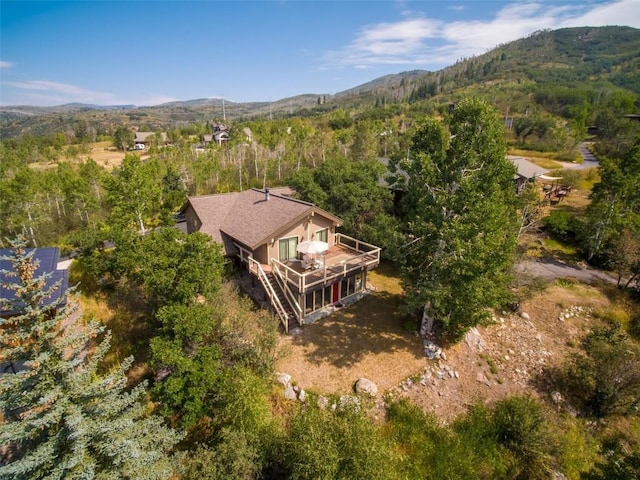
[{"x": 367, "y": 255}]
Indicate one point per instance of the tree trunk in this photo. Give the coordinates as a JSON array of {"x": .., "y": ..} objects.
[{"x": 426, "y": 326}]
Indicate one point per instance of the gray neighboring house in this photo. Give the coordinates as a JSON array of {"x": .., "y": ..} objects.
[
  {"x": 262, "y": 230},
  {"x": 526, "y": 172},
  {"x": 142, "y": 138}
]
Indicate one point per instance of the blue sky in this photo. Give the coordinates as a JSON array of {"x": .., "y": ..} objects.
[{"x": 151, "y": 52}]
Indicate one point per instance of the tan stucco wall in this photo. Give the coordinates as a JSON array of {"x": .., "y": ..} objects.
[
  {"x": 193, "y": 223},
  {"x": 304, "y": 231}
]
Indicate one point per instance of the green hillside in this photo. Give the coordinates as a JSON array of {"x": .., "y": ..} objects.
[{"x": 551, "y": 68}]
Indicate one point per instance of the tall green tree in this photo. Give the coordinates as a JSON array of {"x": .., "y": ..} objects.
[
  {"x": 62, "y": 417},
  {"x": 134, "y": 193},
  {"x": 460, "y": 209},
  {"x": 123, "y": 138},
  {"x": 615, "y": 203}
]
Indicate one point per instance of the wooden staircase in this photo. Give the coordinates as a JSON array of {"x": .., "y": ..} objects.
[
  {"x": 276, "y": 295},
  {"x": 292, "y": 321}
]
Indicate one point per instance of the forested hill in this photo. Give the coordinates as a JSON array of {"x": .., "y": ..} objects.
[
  {"x": 582, "y": 57},
  {"x": 562, "y": 57}
]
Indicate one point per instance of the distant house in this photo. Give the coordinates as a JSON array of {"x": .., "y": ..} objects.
[
  {"x": 143, "y": 139},
  {"x": 526, "y": 172},
  {"x": 219, "y": 137},
  {"x": 264, "y": 229},
  {"x": 47, "y": 263}
]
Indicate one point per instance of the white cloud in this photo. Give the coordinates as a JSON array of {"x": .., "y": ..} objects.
[
  {"x": 4, "y": 64},
  {"x": 46, "y": 92},
  {"x": 430, "y": 43}
]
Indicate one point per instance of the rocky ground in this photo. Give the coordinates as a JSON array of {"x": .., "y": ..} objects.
[{"x": 507, "y": 357}]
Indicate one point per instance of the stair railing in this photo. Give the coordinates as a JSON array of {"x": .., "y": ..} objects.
[
  {"x": 288, "y": 294},
  {"x": 273, "y": 297}
]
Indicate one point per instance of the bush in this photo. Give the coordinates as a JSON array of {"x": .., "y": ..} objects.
[
  {"x": 605, "y": 379},
  {"x": 561, "y": 225},
  {"x": 520, "y": 427}
]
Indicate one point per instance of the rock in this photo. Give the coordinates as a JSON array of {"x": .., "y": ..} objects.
[
  {"x": 289, "y": 393},
  {"x": 443, "y": 356},
  {"x": 452, "y": 374},
  {"x": 507, "y": 357},
  {"x": 474, "y": 340},
  {"x": 323, "y": 402},
  {"x": 364, "y": 385},
  {"x": 296, "y": 388},
  {"x": 282, "y": 378},
  {"x": 556, "y": 397},
  {"x": 480, "y": 377},
  {"x": 525, "y": 315},
  {"x": 302, "y": 395},
  {"x": 431, "y": 350},
  {"x": 456, "y": 374},
  {"x": 349, "y": 401},
  {"x": 441, "y": 374}
]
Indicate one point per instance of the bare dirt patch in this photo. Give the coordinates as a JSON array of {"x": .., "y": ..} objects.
[
  {"x": 498, "y": 360},
  {"x": 366, "y": 339}
]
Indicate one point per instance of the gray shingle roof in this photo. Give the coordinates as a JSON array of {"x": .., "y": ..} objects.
[{"x": 526, "y": 168}]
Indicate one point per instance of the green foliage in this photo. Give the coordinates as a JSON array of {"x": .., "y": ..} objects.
[
  {"x": 520, "y": 427},
  {"x": 62, "y": 418},
  {"x": 123, "y": 138},
  {"x": 350, "y": 190},
  {"x": 621, "y": 459},
  {"x": 605, "y": 379},
  {"x": 561, "y": 224},
  {"x": 615, "y": 202},
  {"x": 134, "y": 193},
  {"x": 460, "y": 208},
  {"x": 336, "y": 445}
]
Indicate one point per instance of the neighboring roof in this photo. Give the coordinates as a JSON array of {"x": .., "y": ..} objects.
[
  {"x": 143, "y": 136},
  {"x": 207, "y": 138},
  {"x": 47, "y": 259},
  {"x": 526, "y": 168},
  {"x": 249, "y": 218}
]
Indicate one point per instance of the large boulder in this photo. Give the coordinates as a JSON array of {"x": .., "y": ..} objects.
[
  {"x": 282, "y": 378},
  {"x": 364, "y": 385},
  {"x": 290, "y": 393}
]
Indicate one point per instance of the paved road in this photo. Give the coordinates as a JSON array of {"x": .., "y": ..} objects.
[
  {"x": 552, "y": 270},
  {"x": 589, "y": 160}
]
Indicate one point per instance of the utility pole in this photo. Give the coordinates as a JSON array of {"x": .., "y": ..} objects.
[{"x": 224, "y": 114}]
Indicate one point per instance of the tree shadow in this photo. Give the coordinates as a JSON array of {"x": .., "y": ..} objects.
[{"x": 371, "y": 326}]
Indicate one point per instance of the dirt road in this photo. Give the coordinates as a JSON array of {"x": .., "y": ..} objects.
[{"x": 550, "y": 269}]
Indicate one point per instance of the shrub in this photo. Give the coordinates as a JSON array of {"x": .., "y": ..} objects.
[{"x": 559, "y": 224}]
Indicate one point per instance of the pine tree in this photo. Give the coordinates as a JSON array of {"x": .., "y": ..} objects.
[{"x": 62, "y": 417}]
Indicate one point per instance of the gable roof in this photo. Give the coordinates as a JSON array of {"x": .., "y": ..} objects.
[
  {"x": 47, "y": 259},
  {"x": 526, "y": 168},
  {"x": 249, "y": 217},
  {"x": 144, "y": 136}
]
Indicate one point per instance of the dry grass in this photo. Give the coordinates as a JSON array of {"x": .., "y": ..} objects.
[
  {"x": 103, "y": 153},
  {"x": 366, "y": 339}
]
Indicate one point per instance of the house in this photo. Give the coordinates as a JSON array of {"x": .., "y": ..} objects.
[
  {"x": 143, "y": 139},
  {"x": 47, "y": 264},
  {"x": 265, "y": 229},
  {"x": 526, "y": 172}
]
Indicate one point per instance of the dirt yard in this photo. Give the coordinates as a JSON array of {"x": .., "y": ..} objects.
[{"x": 495, "y": 361}]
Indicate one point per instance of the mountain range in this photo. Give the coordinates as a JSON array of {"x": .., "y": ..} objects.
[{"x": 588, "y": 57}]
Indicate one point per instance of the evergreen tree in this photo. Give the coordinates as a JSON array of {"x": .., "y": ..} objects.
[
  {"x": 62, "y": 417},
  {"x": 460, "y": 208}
]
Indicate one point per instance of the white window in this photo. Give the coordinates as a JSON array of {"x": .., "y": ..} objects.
[{"x": 322, "y": 235}]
